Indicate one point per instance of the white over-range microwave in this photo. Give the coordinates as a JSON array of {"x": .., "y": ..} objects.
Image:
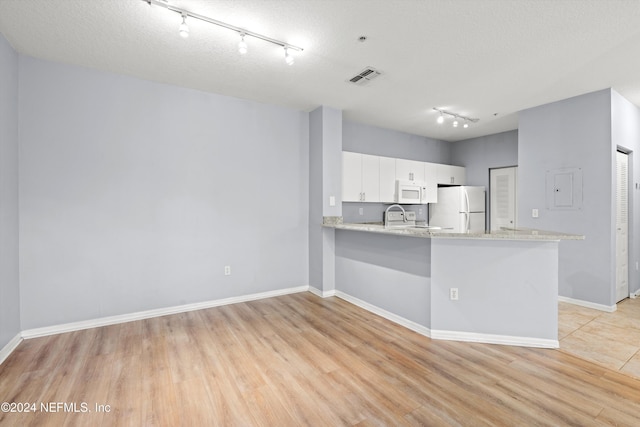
[{"x": 411, "y": 192}]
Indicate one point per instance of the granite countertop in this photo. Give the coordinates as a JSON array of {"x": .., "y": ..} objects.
[{"x": 506, "y": 234}]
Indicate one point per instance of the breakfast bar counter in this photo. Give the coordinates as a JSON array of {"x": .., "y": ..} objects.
[{"x": 499, "y": 287}]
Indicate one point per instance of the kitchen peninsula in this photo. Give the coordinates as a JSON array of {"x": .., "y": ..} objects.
[{"x": 499, "y": 287}]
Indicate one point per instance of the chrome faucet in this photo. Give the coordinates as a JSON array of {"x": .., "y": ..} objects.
[{"x": 404, "y": 214}]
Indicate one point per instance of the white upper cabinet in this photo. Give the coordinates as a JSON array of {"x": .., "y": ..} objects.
[
  {"x": 367, "y": 178},
  {"x": 451, "y": 175},
  {"x": 409, "y": 170},
  {"x": 360, "y": 177},
  {"x": 431, "y": 181},
  {"x": 387, "y": 180},
  {"x": 370, "y": 178},
  {"x": 351, "y": 176}
]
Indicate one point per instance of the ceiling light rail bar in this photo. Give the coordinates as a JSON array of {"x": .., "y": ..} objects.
[
  {"x": 455, "y": 115},
  {"x": 241, "y": 31}
]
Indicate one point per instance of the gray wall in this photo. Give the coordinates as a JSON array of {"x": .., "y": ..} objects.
[
  {"x": 9, "y": 280},
  {"x": 505, "y": 288},
  {"x": 575, "y": 132},
  {"x": 389, "y": 272},
  {"x": 367, "y": 139},
  {"x": 135, "y": 195},
  {"x": 625, "y": 133},
  {"x": 478, "y": 155},
  {"x": 325, "y": 181}
]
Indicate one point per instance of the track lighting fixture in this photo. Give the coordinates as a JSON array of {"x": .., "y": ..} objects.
[
  {"x": 184, "y": 28},
  {"x": 242, "y": 46},
  {"x": 287, "y": 56},
  {"x": 456, "y": 118}
]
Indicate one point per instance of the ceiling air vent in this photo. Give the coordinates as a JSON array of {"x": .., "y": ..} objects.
[{"x": 365, "y": 76}]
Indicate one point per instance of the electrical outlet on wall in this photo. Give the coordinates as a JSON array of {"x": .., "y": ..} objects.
[
  {"x": 534, "y": 213},
  {"x": 227, "y": 270},
  {"x": 453, "y": 294}
]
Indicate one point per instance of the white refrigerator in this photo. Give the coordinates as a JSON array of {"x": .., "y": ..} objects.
[{"x": 459, "y": 209}]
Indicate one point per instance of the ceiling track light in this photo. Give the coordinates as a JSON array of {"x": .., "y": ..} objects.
[
  {"x": 186, "y": 13},
  {"x": 456, "y": 118},
  {"x": 242, "y": 46},
  {"x": 287, "y": 56},
  {"x": 184, "y": 28}
]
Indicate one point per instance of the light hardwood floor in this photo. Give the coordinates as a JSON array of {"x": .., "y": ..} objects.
[
  {"x": 300, "y": 360},
  {"x": 609, "y": 339}
]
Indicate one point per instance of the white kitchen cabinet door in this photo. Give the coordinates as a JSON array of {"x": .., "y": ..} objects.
[
  {"x": 431, "y": 181},
  {"x": 387, "y": 180},
  {"x": 370, "y": 178},
  {"x": 409, "y": 170},
  {"x": 351, "y": 177},
  {"x": 451, "y": 175}
]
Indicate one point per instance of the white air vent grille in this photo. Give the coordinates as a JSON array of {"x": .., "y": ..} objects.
[{"x": 365, "y": 76}]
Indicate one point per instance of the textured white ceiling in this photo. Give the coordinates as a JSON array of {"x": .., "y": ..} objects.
[{"x": 477, "y": 58}]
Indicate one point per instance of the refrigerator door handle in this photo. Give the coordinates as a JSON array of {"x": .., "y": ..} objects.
[{"x": 466, "y": 197}]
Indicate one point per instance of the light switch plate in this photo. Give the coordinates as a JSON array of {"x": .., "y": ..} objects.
[{"x": 332, "y": 200}]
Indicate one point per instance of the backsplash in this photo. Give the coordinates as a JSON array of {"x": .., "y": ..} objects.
[{"x": 373, "y": 212}]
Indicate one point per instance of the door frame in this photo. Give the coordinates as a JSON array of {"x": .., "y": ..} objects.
[
  {"x": 488, "y": 206},
  {"x": 631, "y": 265}
]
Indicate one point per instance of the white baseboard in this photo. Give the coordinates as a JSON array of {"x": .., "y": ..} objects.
[
  {"x": 450, "y": 335},
  {"x": 140, "y": 315},
  {"x": 588, "y": 304},
  {"x": 423, "y": 330},
  {"x": 322, "y": 294},
  {"x": 494, "y": 339},
  {"x": 8, "y": 349}
]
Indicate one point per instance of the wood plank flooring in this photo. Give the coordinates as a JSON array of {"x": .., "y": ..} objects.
[{"x": 300, "y": 360}]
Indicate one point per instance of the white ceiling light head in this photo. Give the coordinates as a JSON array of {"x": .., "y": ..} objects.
[
  {"x": 184, "y": 28},
  {"x": 242, "y": 46},
  {"x": 455, "y": 122},
  {"x": 287, "y": 56},
  {"x": 466, "y": 123},
  {"x": 440, "y": 119}
]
